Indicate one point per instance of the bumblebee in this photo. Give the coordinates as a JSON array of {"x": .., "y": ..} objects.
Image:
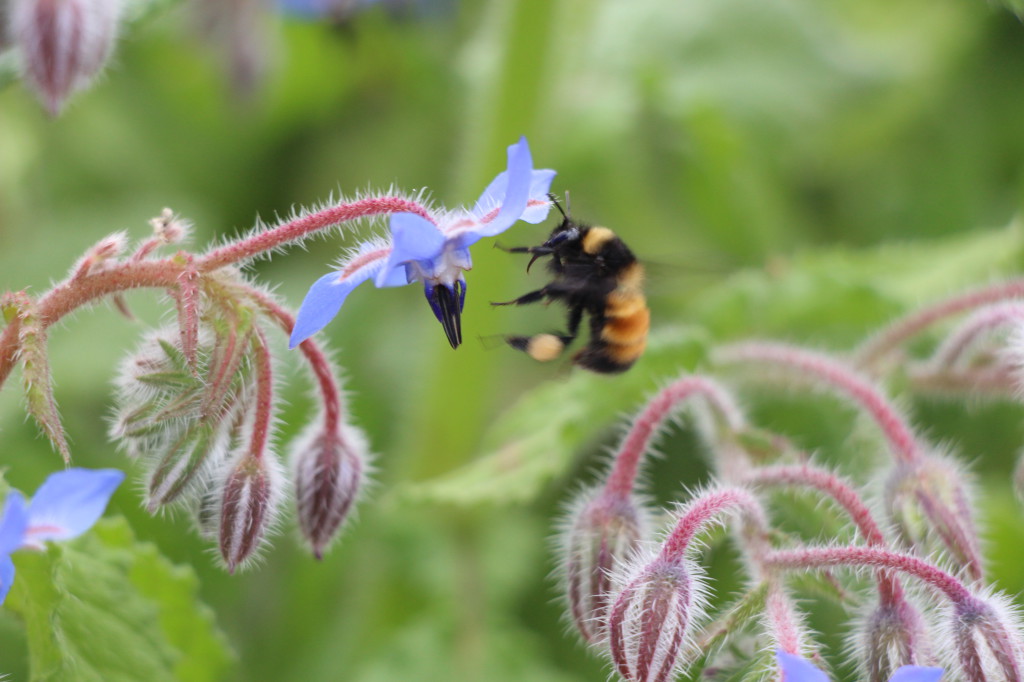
[{"x": 594, "y": 273}]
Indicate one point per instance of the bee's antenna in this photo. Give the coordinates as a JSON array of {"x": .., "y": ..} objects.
[{"x": 554, "y": 200}]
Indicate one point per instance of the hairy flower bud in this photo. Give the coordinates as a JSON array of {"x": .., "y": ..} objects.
[
  {"x": 987, "y": 637},
  {"x": 248, "y": 507},
  {"x": 650, "y": 618},
  {"x": 64, "y": 43},
  {"x": 180, "y": 464},
  {"x": 158, "y": 394},
  {"x": 329, "y": 473},
  {"x": 100, "y": 255},
  {"x": 928, "y": 501},
  {"x": 169, "y": 228},
  {"x": 183, "y": 422},
  {"x": 893, "y": 635},
  {"x": 600, "y": 531}
]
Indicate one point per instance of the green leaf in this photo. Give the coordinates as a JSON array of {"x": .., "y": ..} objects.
[
  {"x": 537, "y": 438},
  {"x": 838, "y": 295},
  {"x": 107, "y": 608}
]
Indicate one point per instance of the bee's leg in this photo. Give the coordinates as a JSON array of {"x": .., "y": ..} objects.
[
  {"x": 540, "y": 347},
  {"x": 575, "y": 317},
  {"x": 547, "y": 347},
  {"x": 532, "y": 297},
  {"x": 538, "y": 250},
  {"x": 554, "y": 291}
]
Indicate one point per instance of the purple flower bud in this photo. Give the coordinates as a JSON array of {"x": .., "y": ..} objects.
[
  {"x": 600, "y": 531},
  {"x": 650, "y": 617},
  {"x": 248, "y": 507},
  {"x": 929, "y": 505},
  {"x": 329, "y": 473},
  {"x": 64, "y": 43},
  {"x": 894, "y": 635},
  {"x": 987, "y": 637}
]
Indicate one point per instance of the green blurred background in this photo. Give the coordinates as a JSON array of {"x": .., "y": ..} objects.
[{"x": 750, "y": 151}]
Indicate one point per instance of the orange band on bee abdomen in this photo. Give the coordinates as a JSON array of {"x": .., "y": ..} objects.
[
  {"x": 627, "y": 354},
  {"x": 627, "y": 329}
]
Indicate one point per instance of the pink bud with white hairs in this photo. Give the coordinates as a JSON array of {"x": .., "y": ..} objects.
[{"x": 63, "y": 43}]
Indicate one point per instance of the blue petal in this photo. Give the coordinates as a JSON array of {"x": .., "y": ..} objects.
[
  {"x": 911, "y": 673},
  {"x": 13, "y": 524},
  {"x": 540, "y": 185},
  {"x": 69, "y": 502},
  {"x": 6, "y": 576},
  {"x": 322, "y": 303},
  {"x": 414, "y": 238},
  {"x": 510, "y": 190},
  {"x": 798, "y": 669}
]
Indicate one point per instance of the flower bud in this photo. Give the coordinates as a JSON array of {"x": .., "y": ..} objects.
[
  {"x": 169, "y": 228},
  {"x": 64, "y": 43},
  {"x": 248, "y": 507},
  {"x": 182, "y": 461},
  {"x": 987, "y": 636},
  {"x": 894, "y": 635},
  {"x": 329, "y": 473},
  {"x": 650, "y": 617},
  {"x": 159, "y": 398},
  {"x": 99, "y": 255},
  {"x": 928, "y": 501},
  {"x": 599, "y": 532}
]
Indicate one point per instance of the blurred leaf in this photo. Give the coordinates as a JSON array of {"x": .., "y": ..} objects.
[
  {"x": 839, "y": 295},
  {"x": 105, "y": 607},
  {"x": 759, "y": 668},
  {"x": 536, "y": 440}
]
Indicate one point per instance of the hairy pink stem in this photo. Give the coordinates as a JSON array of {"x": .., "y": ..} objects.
[
  {"x": 9, "y": 343},
  {"x": 982, "y": 322},
  {"x": 989, "y": 381},
  {"x": 783, "y": 621},
  {"x": 67, "y": 297},
  {"x": 872, "y": 557},
  {"x": 303, "y": 226},
  {"x": 703, "y": 510},
  {"x": 72, "y": 294},
  {"x": 645, "y": 426},
  {"x": 838, "y": 376},
  {"x": 264, "y": 397},
  {"x": 330, "y": 392},
  {"x": 828, "y": 483},
  {"x": 871, "y": 352},
  {"x": 889, "y": 589}
]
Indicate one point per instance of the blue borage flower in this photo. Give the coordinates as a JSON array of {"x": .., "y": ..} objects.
[
  {"x": 66, "y": 505},
  {"x": 797, "y": 669},
  {"x": 433, "y": 250}
]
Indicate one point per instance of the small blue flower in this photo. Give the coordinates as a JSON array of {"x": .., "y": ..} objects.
[
  {"x": 433, "y": 250},
  {"x": 798, "y": 669},
  {"x": 66, "y": 505}
]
